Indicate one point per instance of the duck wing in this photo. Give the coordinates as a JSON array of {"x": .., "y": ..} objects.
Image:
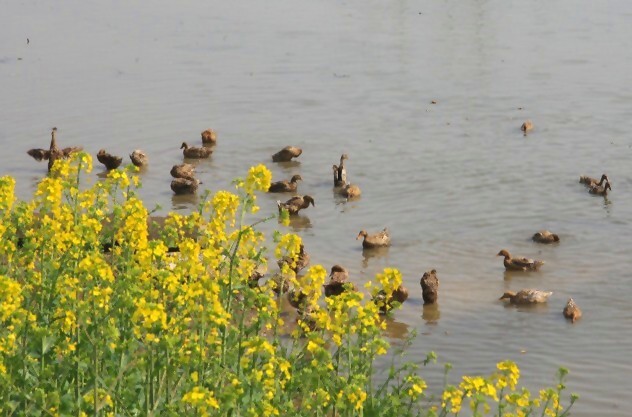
[
  {"x": 38, "y": 154},
  {"x": 71, "y": 149}
]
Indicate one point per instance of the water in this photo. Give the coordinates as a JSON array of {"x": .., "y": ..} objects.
[{"x": 455, "y": 181}]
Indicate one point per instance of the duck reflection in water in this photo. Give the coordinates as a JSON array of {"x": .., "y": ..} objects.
[
  {"x": 431, "y": 313},
  {"x": 299, "y": 222},
  {"x": 396, "y": 329},
  {"x": 368, "y": 253},
  {"x": 183, "y": 201}
]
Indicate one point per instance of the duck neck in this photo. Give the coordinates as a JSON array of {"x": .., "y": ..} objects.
[{"x": 53, "y": 141}]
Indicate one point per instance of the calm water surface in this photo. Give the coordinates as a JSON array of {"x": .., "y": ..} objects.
[{"x": 455, "y": 181}]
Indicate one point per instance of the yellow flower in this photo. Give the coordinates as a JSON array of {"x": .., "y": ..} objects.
[{"x": 258, "y": 179}]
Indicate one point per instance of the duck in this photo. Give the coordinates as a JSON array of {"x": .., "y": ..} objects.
[
  {"x": 519, "y": 264},
  {"x": 338, "y": 273},
  {"x": 53, "y": 152},
  {"x": 297, "y": 298},
  {"x": 286, "y": 154},
  {"x": 399, "y": 295},
  {"x": 572, "y": 311},
  {"x": 337, "y": 182},
  {"x": 280, "y": 284},
  {"x": 430, "y": 286},
  {"x": 110, "y": 161},
  {"x": 185, "y": 185},
  {"x": 183, "y": 171},
  {"x": 285, "y": 186},
  {"x": 338, "y": 284},
  {"x": 351, "y": 191},
  {"x": 194, "y": 152},
  {"x": 545, "y": 236},
  {"x": 139, "y": 158},
  {"x": 600, "y": 190},
  {"x": 296, "y": 204},
  {"x": 209, "y": 137},
  {"x": 297, "y": 264},
  {"x": 307, "y": 319},
  {"x": 341, "y": 172},
  {"x": 253, "y": 279},
  {"x": 526, "y": 296},
  {"x": 589, "y": 181},
  {"x": 527, "y": 126},
  {"x": 376, "y": 240}
]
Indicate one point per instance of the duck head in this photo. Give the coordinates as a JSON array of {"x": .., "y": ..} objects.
[
  {"x": 504, "y": 253},
  {"x": 362, "y": 233},
  {"x": 508, "y": 295},
  {"x": 296, "y": 178},
  {"x": 308, "y": 199},
  {"x": 184, "y": 145}
]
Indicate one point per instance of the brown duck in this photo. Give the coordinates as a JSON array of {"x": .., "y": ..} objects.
[
  {"x": 301, "y": 261},
  {"x": 430, "y": 287},
  {"x": 340, "y": 174},
  {"x": 589, "y": 181},
  {"x": 184, "y": 185},
  {"x": 338, "y": 282},
  {"x": 519, "y": 264},
  {"x": 139, "y": 158},
  {"x": 53, "y": 152},
  {"x": 600, "y": 190},
  {"x": 399, "y": 295},
  {"x": 544, "y": 236},
  {"x": 527, "y": 126},
  {"x": 296, "y": 204},
  {"x": 337, "y": 181},
  {"x": 351, "y": 191},
  {"x": 183, "y": 171},
  {"x": 194, "y": 152},
  {"x": 110, "y": 161},
  {"x": 297, "y": 299},
  {"x": 286, "y": 154},
  {"x": 285, "y": 186},
  {"x": 209, "y": 137},
  {"x": 572, "y": 311},
  {"x": 280, "y": 284},
  {"x": 526, "y": 296},
  {"x": 376, "y": 240}
]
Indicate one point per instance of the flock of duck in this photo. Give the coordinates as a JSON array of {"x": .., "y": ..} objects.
[{"x": 184, "y": 182}]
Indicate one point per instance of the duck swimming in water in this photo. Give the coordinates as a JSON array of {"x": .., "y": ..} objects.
[
  {"x": 194, "y": 152},
  {"x": 600, "y": 190},
  {"x": 139, "y": 158},
  {"x": 184, "y": 185},
  {"x": 376, "y": 240},
  {"x": 183, "y": 171},
  {"x": 209, "y": 137},
  {"x": 526, "y": 296},
  {"x": 572, "y": 311},
  {"x": 519, "y": 264},
  {"x": 589, "y": 181},
  {"x": 429, "y": 286},
  {"x": 544, "y": 236},
  {"x": 110, "y": 161},
  {"x": 296, "y": 204},
  {"x": 53, "y": 153},
  {"x": 285, "y": 186},
  {"x": 286, "y": 154}
]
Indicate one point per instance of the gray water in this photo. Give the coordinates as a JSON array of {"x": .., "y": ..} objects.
[{"x": 454, "y": 181}]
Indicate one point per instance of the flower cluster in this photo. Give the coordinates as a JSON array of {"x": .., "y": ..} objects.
[{"x": 104, "y": 312}]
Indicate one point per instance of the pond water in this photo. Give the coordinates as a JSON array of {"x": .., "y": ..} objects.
[{"x": 454, "y": 181}]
